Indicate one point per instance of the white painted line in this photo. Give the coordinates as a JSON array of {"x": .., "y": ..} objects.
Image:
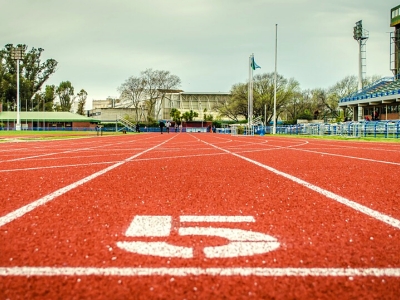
[
  {"x": 241, "y": 242},
  {"x": 70, "y": 151},
  {"x": 162, "y": 249},
  {"x": 60, "y": 166},
  {"x": 150, "y": 226},
  {"x": 354, "y": 205},
  {"x": 236, "y": 249},
  {"x": 227, "y": 219},
  {"x": 231, "y": 234},
  {"x": 262, "y": 272},
  {"x": 344, "y": 156},
  {"x": 31, "y": 206}
]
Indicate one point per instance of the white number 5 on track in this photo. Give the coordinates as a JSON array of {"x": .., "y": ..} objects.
[{"x": 241, "y": 242}]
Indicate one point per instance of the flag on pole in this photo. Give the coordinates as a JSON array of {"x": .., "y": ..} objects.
[{"x": 253, "y": 64}]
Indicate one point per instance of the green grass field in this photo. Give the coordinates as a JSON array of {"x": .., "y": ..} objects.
[{"x": 48, "y": 135}]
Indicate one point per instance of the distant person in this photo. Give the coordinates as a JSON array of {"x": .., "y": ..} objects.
[
  {"x": 176, "y": 127},
  {"x": 162, "y": 125},
  {"x": 167, "y": 126},
  {"x": 137, "y": 127},
  {"x": 376, "y": 115}
]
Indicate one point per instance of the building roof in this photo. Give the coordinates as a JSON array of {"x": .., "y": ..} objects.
[
  {"x": 205, "y": 93},
  {"x": 47, "y": 116}
]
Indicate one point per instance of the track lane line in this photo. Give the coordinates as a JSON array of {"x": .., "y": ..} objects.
[
  {"x": 29, "y": 207},
  {"x": 71, "y": 151},
  {"x": 196, "y": 271},
  {"x": 354, "y": 205}
]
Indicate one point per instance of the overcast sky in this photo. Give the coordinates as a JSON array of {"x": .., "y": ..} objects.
[{"x": 100, "y": 43}]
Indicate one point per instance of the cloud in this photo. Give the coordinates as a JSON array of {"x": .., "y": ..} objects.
[{"x": 99, "y": 44}]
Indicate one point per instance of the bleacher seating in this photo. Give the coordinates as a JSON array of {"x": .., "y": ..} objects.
[{"x": 383, "y": 87}]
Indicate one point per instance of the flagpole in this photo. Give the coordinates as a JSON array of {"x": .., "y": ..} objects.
[
  {"x": 275, "y": 80},
  {"x": 251, "y": 90},
  {"x": 248, "y": 92}
]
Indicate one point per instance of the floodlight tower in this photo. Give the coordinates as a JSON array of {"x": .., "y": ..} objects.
[
  {"x": 18, "y": 54},
  {"x": 395, "y": 41},
  {"x": 361, "y": 36}
]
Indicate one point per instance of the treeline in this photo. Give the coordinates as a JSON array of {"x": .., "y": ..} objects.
[
  {"x": 151, "y": 87},
  {"x": 33, "y": 93},
  {"x": 292, "y": 103}
]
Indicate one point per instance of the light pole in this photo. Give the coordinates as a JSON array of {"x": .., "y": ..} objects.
[
  {"x": 17, "y": 54},
  {"x": 275, "y": 79}
]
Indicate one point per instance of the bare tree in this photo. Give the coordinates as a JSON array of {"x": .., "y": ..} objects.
[
  {"x": 166, "y": 83},
  {"x": 133, "y": 89},
  {"x": 158, "y": 84}
]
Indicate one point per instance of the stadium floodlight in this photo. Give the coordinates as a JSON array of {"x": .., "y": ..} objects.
[
  {"x": 17, "y": 54},
  {"x": 361, "y": 36},
  {"x": 358, "y": 31}
]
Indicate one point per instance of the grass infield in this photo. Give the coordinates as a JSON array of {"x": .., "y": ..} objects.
[{"x": 26, "y": 135}]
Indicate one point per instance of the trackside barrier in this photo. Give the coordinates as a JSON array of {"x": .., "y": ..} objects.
[
  {"x": 397, "y": 129},
  {"x": 386, "y": 129}
]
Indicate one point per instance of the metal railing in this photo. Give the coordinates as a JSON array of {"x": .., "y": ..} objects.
[
  {"x": 384, "y": 129},
  {"x": 127, "y": 124}
]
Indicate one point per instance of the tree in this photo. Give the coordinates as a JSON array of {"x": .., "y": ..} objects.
[
  {"x": 263, "y": 97},
  {"x": 44, "y": 101},
  {"x": 82, "y": 96},
  {"x": 157, "y": 84},
  {"x": 190, "y": 115},
  {"x": 341, "y": 89},
  {"x": 33, "y": 74},
  {"x": 65, "y": 93},
  {"x": 300, "y": 106},
  {"x": 286, "y": 91},
  {"x": 176, "y": 116},
  {"x": 150, "y": 89},
  {"x": 133, "y": 90},
  {"x": 207, "y": 117},
  {"x": 236, "y": 105}
]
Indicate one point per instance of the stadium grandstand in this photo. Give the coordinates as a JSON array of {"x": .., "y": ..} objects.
[
  {"x": 381, "y": 99},
  {"x": 110, "y": 110}
]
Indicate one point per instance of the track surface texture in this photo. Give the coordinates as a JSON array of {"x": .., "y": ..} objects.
[{"x": 199, "y": 216}]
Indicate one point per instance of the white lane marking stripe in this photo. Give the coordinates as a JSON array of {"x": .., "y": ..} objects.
[
  {"x": 112, "y": 162},
  {"x": 71, "y": 151},
  {"x": 31, "y": 206},
  {"x": 150, "y": 226},
  {"x": 60, "y": 166},
  {"x": 227, "y": 219},
  {"x": 232, "y": 234},
  {"x": 342, "y": 155},
  {"x": 356, "y": 206},
  {"x": 162, "y": 249},
  {"x": 263, "y": 272}
]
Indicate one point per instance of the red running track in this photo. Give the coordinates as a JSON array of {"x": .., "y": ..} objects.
[{"x": 199, "y": 216}]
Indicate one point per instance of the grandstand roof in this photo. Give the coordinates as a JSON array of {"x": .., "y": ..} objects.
[
  {"x": 48, "y": 116},
  {"x": 385, "y": 90}
]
